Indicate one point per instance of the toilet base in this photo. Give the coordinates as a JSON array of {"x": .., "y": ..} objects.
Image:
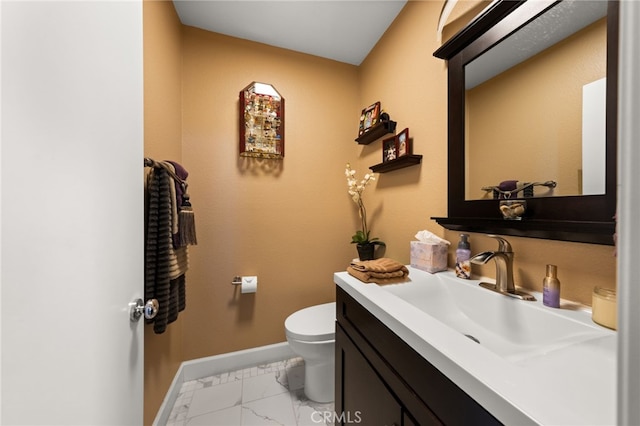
[
  {"x": 319, "y": 381},
  {"x": 311, "y": 334}
]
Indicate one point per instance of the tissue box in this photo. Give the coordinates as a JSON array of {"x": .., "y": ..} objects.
[{"x": 429, "y": 257}]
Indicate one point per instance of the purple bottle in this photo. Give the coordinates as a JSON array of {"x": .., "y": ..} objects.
[{"x": 551, "y": 288}]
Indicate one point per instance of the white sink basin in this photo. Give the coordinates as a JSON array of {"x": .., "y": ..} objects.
[
  {"x": 533, "y": 364},
  {"x": 511, "y": 328}
]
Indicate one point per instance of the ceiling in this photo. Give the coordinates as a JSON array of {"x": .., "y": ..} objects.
[{"x": 342, "y": 30}]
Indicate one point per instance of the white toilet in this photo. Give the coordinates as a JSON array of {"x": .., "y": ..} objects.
[{"x": 311, "y": 334}]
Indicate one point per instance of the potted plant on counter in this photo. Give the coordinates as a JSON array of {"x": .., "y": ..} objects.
[{"x": 365, "y": 245}]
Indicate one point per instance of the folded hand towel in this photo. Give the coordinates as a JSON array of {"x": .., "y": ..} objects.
[
  {"x": 384, "y": 264},
  {"x": 379, "y": 271}
]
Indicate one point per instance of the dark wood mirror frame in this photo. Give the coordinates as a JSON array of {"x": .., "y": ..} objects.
[{"x": 587, "y": 219}]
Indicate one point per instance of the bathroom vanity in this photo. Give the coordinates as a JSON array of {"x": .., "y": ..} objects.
[
  {"x": 442, "y": 350},
  {"x": 383, "y": 380}
]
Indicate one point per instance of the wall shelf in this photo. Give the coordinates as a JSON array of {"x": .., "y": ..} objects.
[
  {"x": 376, "y": 132},
  {"x": 398, "y": 163}
]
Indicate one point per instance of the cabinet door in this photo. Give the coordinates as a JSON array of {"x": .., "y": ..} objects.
[
  {"x": 427, "y": 396},
  {"x": 407, "y": 420},
  {"x": 361, "y": 395}
]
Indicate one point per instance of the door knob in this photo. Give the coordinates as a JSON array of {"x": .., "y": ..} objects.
[{"x": 138, "y": 308}]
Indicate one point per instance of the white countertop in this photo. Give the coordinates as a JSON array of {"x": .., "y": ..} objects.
[{"x": 565, "y": 387}]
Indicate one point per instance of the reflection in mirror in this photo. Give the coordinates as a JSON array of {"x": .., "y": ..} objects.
[
  {"x": 535, "y": 106},
  {"x": 586, "y": 216}
]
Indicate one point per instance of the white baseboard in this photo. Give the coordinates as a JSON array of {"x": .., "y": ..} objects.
[{"x": 209, "y": 366}]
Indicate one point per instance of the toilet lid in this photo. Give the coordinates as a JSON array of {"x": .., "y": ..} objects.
[{"x": 315, "y": 323}]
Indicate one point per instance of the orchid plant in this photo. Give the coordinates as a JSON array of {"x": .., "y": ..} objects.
[{"x": 355, "y": 190}]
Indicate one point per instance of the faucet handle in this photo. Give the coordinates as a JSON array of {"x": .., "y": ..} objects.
[{"x": 503, "y": 245}]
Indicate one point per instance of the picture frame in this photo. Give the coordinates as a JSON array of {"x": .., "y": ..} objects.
[
  {"x": 261, "y": 113},
  {"x": 389, "y": 149},
  {"x": 403, "y": 143},
  {"x": 369, "y": 117}
]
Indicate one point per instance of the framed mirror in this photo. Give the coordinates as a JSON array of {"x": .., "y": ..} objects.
[{"x": 532, "y": 100}]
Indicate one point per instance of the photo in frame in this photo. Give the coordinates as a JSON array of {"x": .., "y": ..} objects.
[
  {"x": 370, "y": 117},
  {"x": 389, "y": 149},
  {"x": 403, "y": 143}
]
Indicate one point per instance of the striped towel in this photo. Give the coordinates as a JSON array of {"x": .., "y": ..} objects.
[{"x": 165, "y": 265}]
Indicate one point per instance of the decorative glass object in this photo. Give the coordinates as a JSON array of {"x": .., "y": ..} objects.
[
  {"x": 513, "y": 209},
  {"x": 261, "y": 121}
]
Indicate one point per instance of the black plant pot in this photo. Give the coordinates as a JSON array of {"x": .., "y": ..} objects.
[{"x": 366, "y": 250}]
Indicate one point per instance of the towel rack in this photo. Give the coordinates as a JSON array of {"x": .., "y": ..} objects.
[
  {"x": 526, "y": 188},
  {"x": 149, "y": 162}
]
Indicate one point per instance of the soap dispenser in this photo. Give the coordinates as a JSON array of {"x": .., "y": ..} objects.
[
  {"x": 463, "y": 254},
  {"x": 551, "y": 288}
]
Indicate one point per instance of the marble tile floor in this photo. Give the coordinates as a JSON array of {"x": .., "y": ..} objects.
[{"x": 266, "y": 394}]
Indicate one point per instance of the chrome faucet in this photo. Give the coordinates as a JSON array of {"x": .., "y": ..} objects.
[{"x": 504, "y": 269}]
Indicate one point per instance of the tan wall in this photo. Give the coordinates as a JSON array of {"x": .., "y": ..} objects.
[
  {"x": 289, "y": 222},
  {"x": 162, "y": 141},
  {"x": 411, "y": 84},
  {"x": 412, "y": 87}
]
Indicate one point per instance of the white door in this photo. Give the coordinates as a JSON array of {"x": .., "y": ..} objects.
[
  {"x": 72, "y": 212},
  {"x": 628, "y": 213}
]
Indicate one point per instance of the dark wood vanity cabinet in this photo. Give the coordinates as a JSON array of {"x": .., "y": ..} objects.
[
  {"x": 381, "y": 380},
  {"x": 365, "y": 396}
]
